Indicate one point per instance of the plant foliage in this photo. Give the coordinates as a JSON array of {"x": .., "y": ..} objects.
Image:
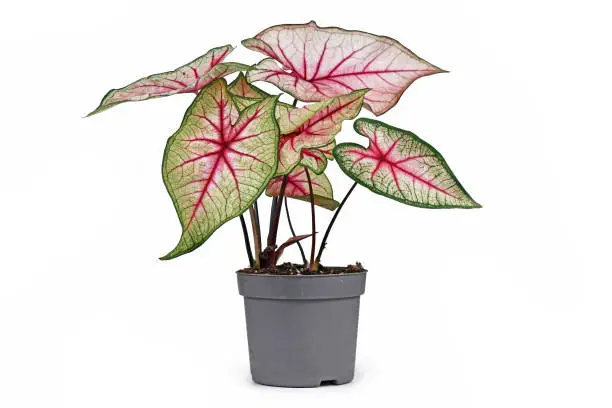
[{"x": 237, "y": 141}]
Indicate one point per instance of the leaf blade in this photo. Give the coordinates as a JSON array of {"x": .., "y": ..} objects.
[
  {"x": 314, "y": 126},
  {"x": 399, "y": 165},
  {"x": 321, "y": 62},
  {"x": 190, "y": 77},
  {"x": 218, "y": 162}
]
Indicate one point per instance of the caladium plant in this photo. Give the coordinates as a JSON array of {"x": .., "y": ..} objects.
[{"x": 237, "y": 141}]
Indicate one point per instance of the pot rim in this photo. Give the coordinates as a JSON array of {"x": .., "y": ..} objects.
[
  {"x": 300, "y": 287},
  {"x": 319, "y": 275}
]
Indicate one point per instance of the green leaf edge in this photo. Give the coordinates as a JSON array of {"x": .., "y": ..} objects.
[
  {"x": 172, "y": 255},
  {"x": 338, "y": 155}
]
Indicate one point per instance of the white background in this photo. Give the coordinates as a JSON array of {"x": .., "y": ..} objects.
[{"x": 507, "y": 306}]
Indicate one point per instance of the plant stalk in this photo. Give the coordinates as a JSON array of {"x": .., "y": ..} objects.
[
  {"x": 247, "y": 243},
  {"x": 277, "y": 205},
  {"x": 299, "y": 244},
  {"x": 312, "y": 267},
  {"x": 256, "y": 236},
  {"x": 257, "y": 215},
  {"x": 331, "y": 223}
]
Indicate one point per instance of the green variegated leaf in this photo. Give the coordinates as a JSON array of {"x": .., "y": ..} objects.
[
  {"x": 311, "y": 127},
  {"x": 190, "y": 77},
  {"x": 399, "y": 165},
  {"x": 314, "y": 126},
  {"x": 316, "y": 159},
  {"x": 241, "y": 87},
  {"x": 328, "y": 150},
  {"x": 218, "y": 162},
  {"x": 297, "y": 187}
]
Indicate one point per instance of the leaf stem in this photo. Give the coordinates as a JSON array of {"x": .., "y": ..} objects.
[
  {"x": 247, "y": 243},
  {"x": 312, "y": 267},
  {"x": 257, "y": 215},
  {"x": 277, "y": 205},
  {"x": 299, "y": 244},
  {"x": 331, "y": 223},
  {"x": 295, "y": 101},
  {"x": 256, "y": 236}
]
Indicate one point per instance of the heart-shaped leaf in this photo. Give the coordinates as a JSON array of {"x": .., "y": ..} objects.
[
  {"x": 322, "y": 62},
  {"x": 399, "y": 165},
  {"x": 297, "y": 187},
  {"x": 189, "y": 78},
  {"x": 218, "y": 162},
  {"x": 313, "y": 126}
]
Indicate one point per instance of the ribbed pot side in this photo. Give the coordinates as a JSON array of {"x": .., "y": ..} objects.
[{"x": 302, "y": 329}]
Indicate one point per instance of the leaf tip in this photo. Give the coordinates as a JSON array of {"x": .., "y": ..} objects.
[
  {"x": 175, "y": 253},
  {"x": 94, "y": 112},
  {"x": 476, "y": 205}
]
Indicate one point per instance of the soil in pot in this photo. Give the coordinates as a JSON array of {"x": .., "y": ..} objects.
[{"x": 289, "y": 268}]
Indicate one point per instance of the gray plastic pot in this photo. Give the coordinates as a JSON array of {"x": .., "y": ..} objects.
[{"x": 302, "y": 329}]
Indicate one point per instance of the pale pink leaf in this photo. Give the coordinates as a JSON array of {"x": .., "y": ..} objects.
[
  {"x": 321, "y": 62},
  {"x": 190, "y": 77}
]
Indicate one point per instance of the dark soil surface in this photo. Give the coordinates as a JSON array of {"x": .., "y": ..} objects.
[{"x": 298, "y": 269}]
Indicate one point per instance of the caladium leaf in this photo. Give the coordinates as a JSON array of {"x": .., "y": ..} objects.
[
  {"x": 322, "y": 62},
  {"x": 328, "y": 150},
  {"x": 316, "y": 159},
  {"x": 399, "y": 165},
  {"x": 314, "y": 126},
  {"x": 241, "y": 87},
  {"x": 297, "y": 187},
  {"x": 190, "y": 77},
  {"x": 218, "y": 162}
]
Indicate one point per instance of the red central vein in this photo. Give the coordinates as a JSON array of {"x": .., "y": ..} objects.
[
  {"x": 392, "y": 71},
  {"x": 154, "y": 86},
  {"x": 200, "y": 198},
  {"x": 176, "y": 81},
  {"x": 422, "y": 180}
]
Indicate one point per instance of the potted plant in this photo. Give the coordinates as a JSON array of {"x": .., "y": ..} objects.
[{"x": 236, "y": 142}]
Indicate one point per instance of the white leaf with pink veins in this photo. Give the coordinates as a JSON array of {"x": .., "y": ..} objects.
[{"x": 318, "y": 63}]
